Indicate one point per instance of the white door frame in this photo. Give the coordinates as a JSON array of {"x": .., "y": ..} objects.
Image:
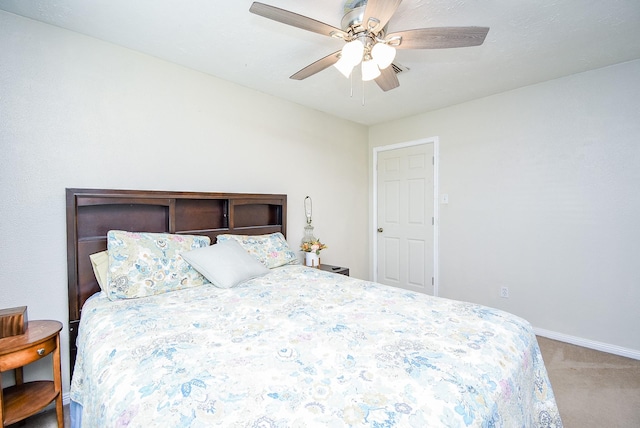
[{"x": 374, "y": 231}]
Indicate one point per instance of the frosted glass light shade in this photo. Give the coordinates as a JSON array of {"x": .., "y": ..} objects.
[
  {"x": 370, "y": 70},
  {"x": 352, "y": 52},
  {"x": 383, "y": 55},
  {"x": 344, "y": 67}
]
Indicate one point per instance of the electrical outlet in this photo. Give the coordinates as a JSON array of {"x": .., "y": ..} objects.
[{"x": 504, "y": 292}]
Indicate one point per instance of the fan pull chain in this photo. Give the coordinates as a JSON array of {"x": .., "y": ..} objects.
[
  {"x": 363, "y": 93},
  {"x": 351, "y": 85}
]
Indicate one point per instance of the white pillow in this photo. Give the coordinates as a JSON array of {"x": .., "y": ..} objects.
[
  {"x": 225, "y": 264},
  {"x": 100, "y": 264}
]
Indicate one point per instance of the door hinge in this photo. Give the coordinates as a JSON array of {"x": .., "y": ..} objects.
[
  {"x": 433, "y": 281},
  {"x": 433, "y": 221},
  {"x": 433, "y": 160}
]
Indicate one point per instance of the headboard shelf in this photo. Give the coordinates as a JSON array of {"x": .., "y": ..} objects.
[
  {"x": 202, "y": 231},
  {"x": 91, "y": 213}
]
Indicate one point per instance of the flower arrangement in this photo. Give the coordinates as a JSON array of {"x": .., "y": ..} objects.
[{"x": 313, "y": 246}]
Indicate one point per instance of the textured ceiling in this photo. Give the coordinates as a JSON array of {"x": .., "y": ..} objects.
[{"x": 530, "y": 41}]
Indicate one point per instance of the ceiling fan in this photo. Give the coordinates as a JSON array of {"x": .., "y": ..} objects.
[{"x": 366, "y": 41}]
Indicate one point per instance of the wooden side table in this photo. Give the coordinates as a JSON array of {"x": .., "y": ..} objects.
[
  {"x": 335, "y": 269},
  {"x": 25, "y": 399}
]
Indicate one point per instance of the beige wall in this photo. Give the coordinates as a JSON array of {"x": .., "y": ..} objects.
[
  {"x": 543, "y": 198},
  {"x": 76, "y": 112}
]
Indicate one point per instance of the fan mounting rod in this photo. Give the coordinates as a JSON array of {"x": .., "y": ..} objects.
[{"x": 352, "y": 24}]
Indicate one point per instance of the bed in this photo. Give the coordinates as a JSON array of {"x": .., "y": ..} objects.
[{"x": 288, "y": 346}]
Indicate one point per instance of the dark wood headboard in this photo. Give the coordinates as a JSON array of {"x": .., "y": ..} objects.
[{"x": 91, "y": 213}]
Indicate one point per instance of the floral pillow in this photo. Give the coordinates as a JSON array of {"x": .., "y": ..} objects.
[
  {"x": 143, "y": 264},
  {"x": 272, "y": 250}
]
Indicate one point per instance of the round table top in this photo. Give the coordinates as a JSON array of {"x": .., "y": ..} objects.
[{"x": 37, "y": 331}]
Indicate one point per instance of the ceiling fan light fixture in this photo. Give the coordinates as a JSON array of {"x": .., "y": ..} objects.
[
  {"x": 364, "y": 31},
  {"x": 383, "y": 55},
  {"x": 370, "y": 70},
  {"x": 352, "y": 52},
  {"x": 344, "y": 67}
]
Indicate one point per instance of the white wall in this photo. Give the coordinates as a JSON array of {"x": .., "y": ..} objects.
[
  {"x": 77, "y": 112},
  {"x": 544, "y": 198}
]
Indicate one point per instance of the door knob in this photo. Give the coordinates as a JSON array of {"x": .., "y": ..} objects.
[{"x": 380, "y": 230}]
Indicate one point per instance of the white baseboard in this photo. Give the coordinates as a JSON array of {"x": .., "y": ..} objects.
[{"x": 591, "y": 344}]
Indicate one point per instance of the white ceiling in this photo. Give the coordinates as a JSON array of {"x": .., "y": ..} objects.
[{"x": 529, "y": 41}]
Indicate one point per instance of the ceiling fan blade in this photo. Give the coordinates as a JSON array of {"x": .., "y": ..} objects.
[
  {"x": 388, "y": 79},
  {"x": 291, "y": 18},
  {"x": 317, "y": 66},
  {"x": 440, "y": 38},
  {"x": 382, "y": 10}
]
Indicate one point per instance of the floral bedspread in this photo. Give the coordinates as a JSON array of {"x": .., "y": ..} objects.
[{"x": 301, "y": 347}]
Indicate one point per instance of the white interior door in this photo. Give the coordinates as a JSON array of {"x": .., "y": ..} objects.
[{"x": 405, "y": 217}]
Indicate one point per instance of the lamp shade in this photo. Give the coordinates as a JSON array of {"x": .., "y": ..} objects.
[
  {"x": 383, "y": 55},
  {"x": 352, "y": 52},
  {"x": 344, "y": 67},
  {"x": 370, "y": 70}
]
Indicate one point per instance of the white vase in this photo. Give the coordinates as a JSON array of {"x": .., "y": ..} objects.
[{"x": 311, "y": 259}]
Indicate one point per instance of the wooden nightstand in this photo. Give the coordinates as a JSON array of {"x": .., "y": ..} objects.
[
  {"x": 335, "y": 269},
  {"x": 25, "y": 399}
]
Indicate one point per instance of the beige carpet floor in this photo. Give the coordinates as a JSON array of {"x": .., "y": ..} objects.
[{"x": 592, "y": 388}]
